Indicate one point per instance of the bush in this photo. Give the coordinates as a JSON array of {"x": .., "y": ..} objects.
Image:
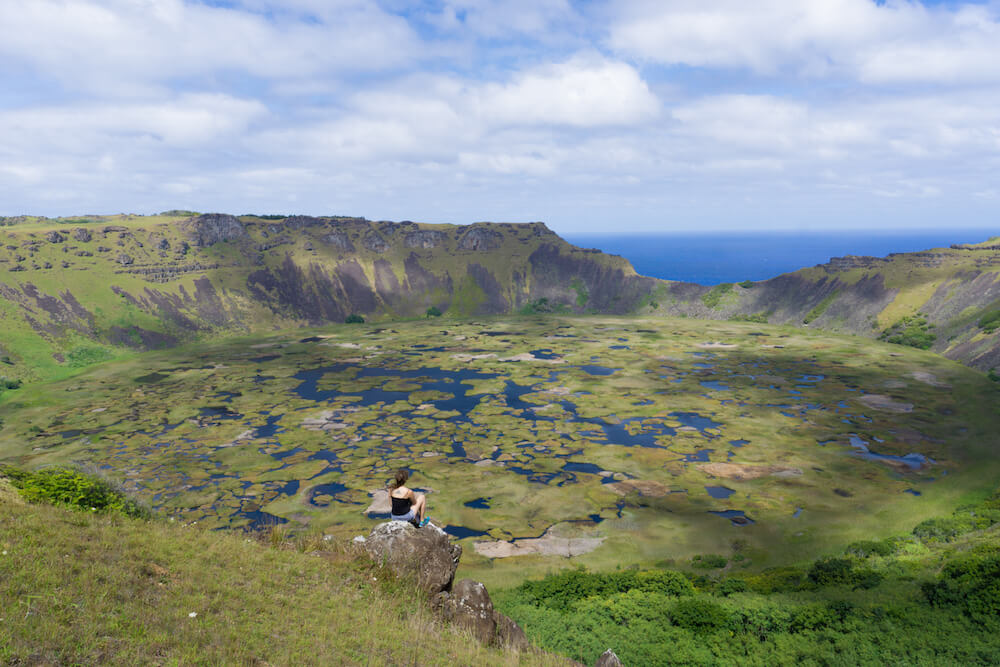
[
  {"x": 831, "y": 571},
  {"x": 709, "y": 561},
  {"x": 912, "y": 330},
  {"x": 698, "y": 615},
  {"x": 971, "y": 584},
  {"x": 433, "y": 311},
  {"x": 72, "y": 488},
  {"x": 747, "y": 284},
  {"x": 866, "y": 548},
  {"x": 944, "y": 529},
  {"x": 354, "y": 318},
  {"x": 729, "y": 586},
  {"x": 990, "y": 321},
  {"x": 87, "y": 355},
  {"x": 561, "y": 591}
]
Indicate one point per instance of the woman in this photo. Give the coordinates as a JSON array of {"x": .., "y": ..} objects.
[{"x": 407, "y": 505}]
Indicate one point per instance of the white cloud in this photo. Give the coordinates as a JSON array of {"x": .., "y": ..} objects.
[
  {"x": 901, "y": 40},
  {"x": 582, "y": 92},
  {"x": 110, "y": 44}
]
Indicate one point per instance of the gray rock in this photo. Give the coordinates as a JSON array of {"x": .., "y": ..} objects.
[
  {"x": 469, "y": 606},
  {"x": 423, "y": 553},
  {"x": 212, "y": 228},
  {"x": 81, "y": 234},
  {"x": 509, "y": 634},
  {"x": 340, "y": 240},
  {"x": 54, "y": 237},
  {"x": 124, "y": 259},
  {"x": 375, "y": 243},
  {"x": 479, "y": 238},
  {"x": 425, "y": 239},
  {"x": 608, "y": 659}
]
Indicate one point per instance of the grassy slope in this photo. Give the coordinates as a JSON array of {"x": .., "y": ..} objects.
[
  {"x": 89, "y": 278},
  {"x": 77, "y": 588}
]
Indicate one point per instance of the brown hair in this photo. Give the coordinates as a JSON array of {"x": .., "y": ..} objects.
[{"x": 401, "y": 477}]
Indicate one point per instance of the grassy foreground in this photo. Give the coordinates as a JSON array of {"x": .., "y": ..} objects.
[{"x": 97, "y": 588}]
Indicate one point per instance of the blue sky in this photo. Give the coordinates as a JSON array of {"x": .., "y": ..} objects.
[{"x": 633, "y": 115}]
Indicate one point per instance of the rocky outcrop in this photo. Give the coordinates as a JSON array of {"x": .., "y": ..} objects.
[
  {"x": 211, "y": 228},
  {"x": 54, "y": 237},
  {"x": 608, "y": 659},
  {"x": 424, "y": 239},
  {"x": 469, "y": 606},
  {"x": 479, "y": 238},
  {"x": 428, "y": 555},
  {"x": 375, "y": 243},
  {"x": 82, "y": 234},
  {"x": 423, "y": 553},
  {"x": 340, "y": 240}
]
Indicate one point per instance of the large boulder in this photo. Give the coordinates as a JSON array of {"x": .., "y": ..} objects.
[
  {"x": 424, "y": 553},
  {"x": 469, "y": 606}
]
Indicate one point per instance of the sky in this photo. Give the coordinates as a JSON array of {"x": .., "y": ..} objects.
[{"x": 590, "y": 115}]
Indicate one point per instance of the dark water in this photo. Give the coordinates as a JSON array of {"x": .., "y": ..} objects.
[{"x": 710, "y": 259}]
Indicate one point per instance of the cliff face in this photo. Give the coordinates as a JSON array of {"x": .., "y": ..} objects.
[
  {"x": 156, "y": 282},
  {"x": 945, "y": 293}
]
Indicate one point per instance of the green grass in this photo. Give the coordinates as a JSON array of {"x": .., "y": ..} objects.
[
  {"x": 916, "y": 599},
  {"x": 714, "y": 296},
  {"x": 820, "y": 307},
  {"x": 85, "y": 588}
]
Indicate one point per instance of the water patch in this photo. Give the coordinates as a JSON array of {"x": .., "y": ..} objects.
[
  {"x": 331, "y": 489},
  {"x": 619, "y": 347},
  {"x": 544, "y": 354},
  {"x": 700, "y": 456},
  {"x": 479, "y": 503},
  {"x": 715, "y": 385},
  {"x": 593, "y": 369},
  {"x": 737, "y": 517},
  {"x": 719, "y": 492},
  {"x": 913, "y": 492},
  {"x": 739, "y": 443},
  {"x": 461, "y": 532},
  {"x": 267, "y": 357},
  {"x": 913, "y": 461}
]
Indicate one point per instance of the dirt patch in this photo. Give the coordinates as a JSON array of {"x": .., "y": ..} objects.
[
  {"x": 717, "y": 346},
  {"x": 380, "y": 502},
  {"x": 743, "y": 471},
  {"x": 546, "y": 545},
  {"x": 929, "y": 378},
  {"x": 642, "y": 486},
  {"x": 880, "y": 402}
]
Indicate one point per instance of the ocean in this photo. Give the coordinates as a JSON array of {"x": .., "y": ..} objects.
[{"x": 710, "y": 259}]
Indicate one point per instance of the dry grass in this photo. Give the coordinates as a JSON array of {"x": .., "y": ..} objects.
[{"x": 77, "y": 588}]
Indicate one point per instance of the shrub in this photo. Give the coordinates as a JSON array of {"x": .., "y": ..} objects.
[
  {"x": 971, "y": 584},
  {"x": 698, "y": 615},
  {"x": 354, "y": 318},
  {"x": 912, "y": 330},
  {"x": 6, "y": 383},
  {"x": 86, "y": 355},
  {"x": 944, "y": 529},
  {"x": 990, "y": 321},
  {"x": 866, "y": 548},
  {"x": 72, "y": 488},
  {"x": 709, "y": 561},
  {"x": 831, "y": 571},
  {"x": 759, "y": 318},
  {"x": 433, "y": 311},
  {"x": 747, "y": 284},
  {"x": 561, "y": 591},
  {"x": 729, "y": 586}
]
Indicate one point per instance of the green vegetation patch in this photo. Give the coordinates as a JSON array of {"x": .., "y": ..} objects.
[
  {"x": 75, "y": 489},
  {"x": 714, "y": 296},
  {"x": 821, "y": 307},
  {"x": 911, "y": 330},
  {"x": 990, "y": 321}
]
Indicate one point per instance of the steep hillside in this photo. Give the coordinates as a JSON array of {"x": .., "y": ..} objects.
[
  {"x": 76, "y": 291},
  {"x": 946, "y": 300}
]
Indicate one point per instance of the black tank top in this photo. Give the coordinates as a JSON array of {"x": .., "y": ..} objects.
[{"x": 400, "y": 506}]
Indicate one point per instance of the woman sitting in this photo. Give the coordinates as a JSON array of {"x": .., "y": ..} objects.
[{"x": 407, "y": 505}]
